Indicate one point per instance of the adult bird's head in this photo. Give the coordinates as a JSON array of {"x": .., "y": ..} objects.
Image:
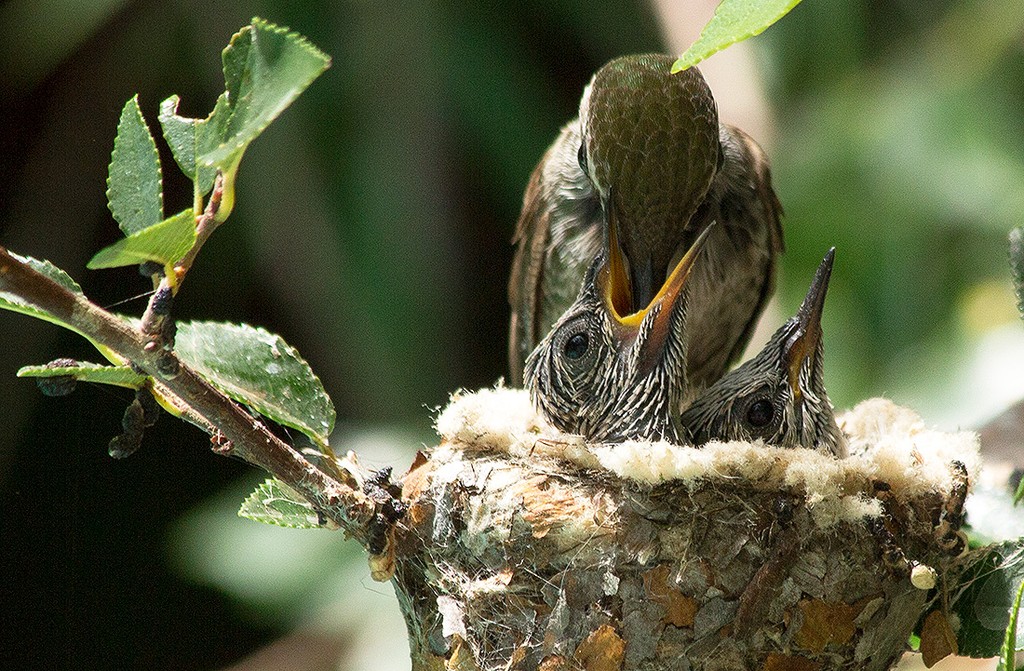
[
  {"x": 650, "y": 145},
  {"x": 648, "y": 159},
  {"x": 779, "y": 395},
  {"x": 611, "y": 373}
]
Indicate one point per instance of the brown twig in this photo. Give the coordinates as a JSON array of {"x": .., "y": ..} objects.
[
  {"x": 205, "y": 225},
  {"x": 158, "y": 309},
  {"x": 236, "y": 431}
]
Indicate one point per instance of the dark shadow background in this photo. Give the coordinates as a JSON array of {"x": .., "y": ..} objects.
[{"x": 372, "y": 232}]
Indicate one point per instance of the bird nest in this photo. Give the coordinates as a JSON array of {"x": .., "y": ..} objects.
[{"x": 548, "y": 553}]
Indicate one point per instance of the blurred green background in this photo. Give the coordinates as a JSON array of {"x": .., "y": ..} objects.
[{"x": 372, "y": 232}]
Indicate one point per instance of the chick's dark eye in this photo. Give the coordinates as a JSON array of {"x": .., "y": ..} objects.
[
  {"x": 760, "y": 413},
  {"x": 581, "y": 157},
  {"x": 576, "y": 346}
]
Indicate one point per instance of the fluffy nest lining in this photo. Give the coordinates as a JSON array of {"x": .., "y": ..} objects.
[{"x": 888, "y": 443}]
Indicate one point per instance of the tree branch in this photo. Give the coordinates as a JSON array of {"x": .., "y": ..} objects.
[{"x": 235, "y": 432}]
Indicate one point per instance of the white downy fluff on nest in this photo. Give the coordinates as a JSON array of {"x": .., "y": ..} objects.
[{"x": 887, "y": 443}]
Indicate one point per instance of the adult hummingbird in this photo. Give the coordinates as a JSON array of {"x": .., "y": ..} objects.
[
  {"x": 778, "y": 395},
  {"x": 648, "y": 155},
  {"x": 611, "y": 375}
]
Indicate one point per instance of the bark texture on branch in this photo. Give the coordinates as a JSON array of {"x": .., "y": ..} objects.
[
  {"x": 233, "y": 430},
  {"x": 525, "y": 549}
]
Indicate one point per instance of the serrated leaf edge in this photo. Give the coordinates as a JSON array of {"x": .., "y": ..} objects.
[
  {"x": 134, "y": 102},
  {"x": 274, "y": 340},
  {"x": 99, "y": 260},
  {"x": 82, "y": 372},
  {"x": 223, "y": 156},
  {"x": 264, "y": 492}
]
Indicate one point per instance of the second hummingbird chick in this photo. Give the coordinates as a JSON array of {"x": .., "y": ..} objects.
[
  {"x": 779, "y": 395},
  {"x": 608, "y": 374}
]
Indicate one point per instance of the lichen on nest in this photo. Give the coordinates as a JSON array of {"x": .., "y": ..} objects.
[{"x": 888, "y": 444}]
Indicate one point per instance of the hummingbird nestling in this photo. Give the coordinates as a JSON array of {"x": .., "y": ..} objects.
[
  {"x": 779, "y": 395},
  {"x": 648, "y": 155},
  {"x": 612, "y": 375}
]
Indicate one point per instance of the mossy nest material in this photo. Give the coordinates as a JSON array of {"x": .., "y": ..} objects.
[{"x": 525, "y": 548}]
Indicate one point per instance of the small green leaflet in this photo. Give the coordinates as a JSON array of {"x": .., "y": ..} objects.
[
  {"x": 276, "y": 503},
  {"x": 164, "y": 243},
  {"x": 120, "y": 376},
  {"x": 191, "y": 138},
  {"x": 1007, "y": 661},
  {"x": 734, "y": 21},
  {"x": 265, "y": 68},
  {"x": 260, "y": 370},
  {"x": 983, "y": 596},
  {"x": 134, "y": 183}
]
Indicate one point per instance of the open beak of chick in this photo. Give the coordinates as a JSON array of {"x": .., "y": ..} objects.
[
  {"x": 802, "y": 348},
  {"x": 629, "y": 320}
]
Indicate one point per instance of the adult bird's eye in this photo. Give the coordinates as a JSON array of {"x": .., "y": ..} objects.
[
  {"x": 581, "y": 157},
  {"x": 760, "y": 413},
  {"x": 576, "y": 346}
]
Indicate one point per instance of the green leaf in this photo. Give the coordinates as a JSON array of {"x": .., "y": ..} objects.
[
  {"x": 1017, "y": 268},
  {"x": 1006, "y": 656},
  {"x": 276, "y": 503},
  {"x": 734, "y": 21},
  {"x": 84, "y": 371},
  {"x": 265, "y": 68},
  {"x": 191, "y": 138},
  {"x": 260, "y": 370},
  {"x": 163, "y": 243},
  {"x": 134, "y": 185},
  {"x": 984, "y": 592}
]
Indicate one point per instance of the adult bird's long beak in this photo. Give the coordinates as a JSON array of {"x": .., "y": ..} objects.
[
  {"x": 615, "y": 286},
  {"x": 803, "y": 343}
]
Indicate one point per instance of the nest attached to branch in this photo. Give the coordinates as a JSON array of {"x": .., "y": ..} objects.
[{"x": 525, "y": 548}]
